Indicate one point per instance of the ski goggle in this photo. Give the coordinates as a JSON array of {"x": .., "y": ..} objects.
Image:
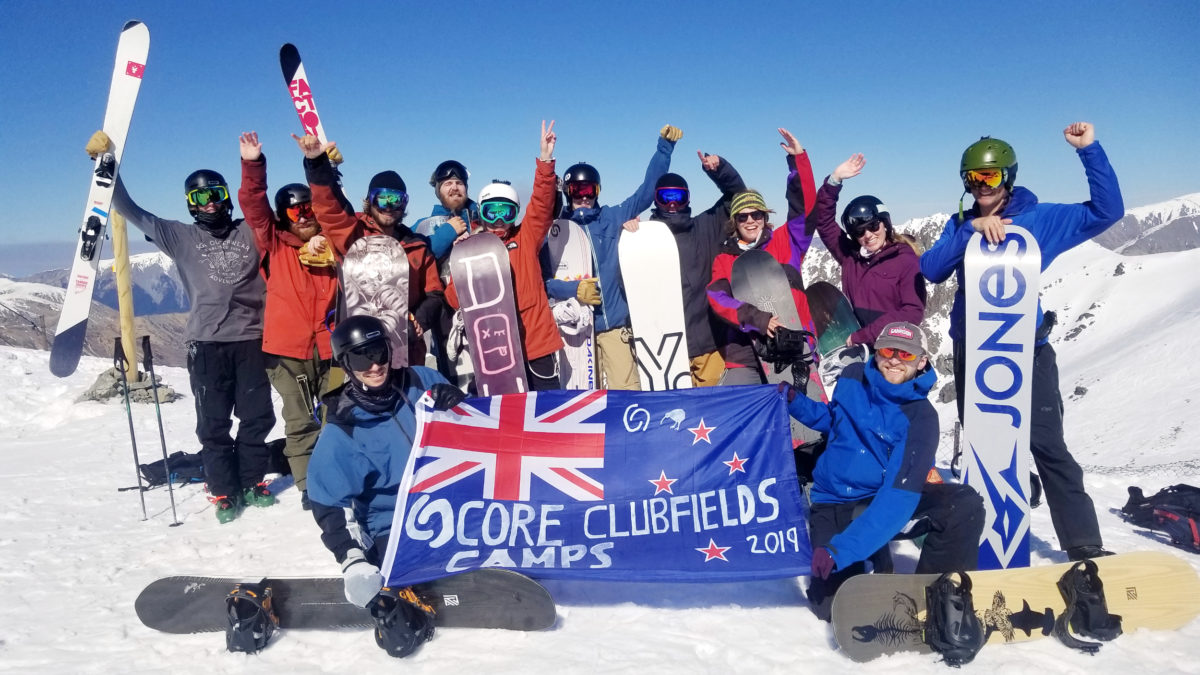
[
  {"x": 360, "y": 359},
  {"x": 861, "y": 226},
  {"x": 387, "y": 198},
  {"x": 208, "y": 195},
  {"x": 985, "y": 177},
  {"x": 747, "y": 217},
  {"x": 499, "y": 211},
  {"x": 298, "y": 211},
  {"x": 892, "y": 352},
  {"x": 669, "y": 197},
  {"x": 581, "y": 190}
]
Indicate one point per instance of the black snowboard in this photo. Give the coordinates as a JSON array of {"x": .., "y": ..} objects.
[{"x": 487, "y": 598}]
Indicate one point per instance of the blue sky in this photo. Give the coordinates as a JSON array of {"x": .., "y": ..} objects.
[{"x": 404, "y": 85}]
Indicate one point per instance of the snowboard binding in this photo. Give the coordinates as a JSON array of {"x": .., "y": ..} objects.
[
  {"x": 951, "y": 627},
  {"x": 252, "y": 620},
  {"x": 1087, "y": 611},
  {"x": 91, "y": 236},
  {"x": 402, "y": 621}
]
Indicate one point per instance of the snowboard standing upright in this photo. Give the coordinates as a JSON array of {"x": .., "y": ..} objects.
[
  {"x": 130, "y": 65},
  {"x": 374, "y": 281},
  {"x": 834, "y": 319},
  {"x": 650, "y": 269},
  {"x": 1001, "y": 306},
  {"x": 759, "y": 280},
  {"x": 482, "y": 277},
  {"x": 570, "y": 255}
]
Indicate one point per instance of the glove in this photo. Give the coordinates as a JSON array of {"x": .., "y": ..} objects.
[
  {"x": 446, "y": 396},
  {"x": 587, "y": 293},
  {"x": 789, "y": 392},
  {"x": 671, "y": 133},
  {"x": 361, "y": 578},
  {"x": 335, "y": 155},
  {"x": 98, "y": 144},
  {"x": 822, "y": 563}
]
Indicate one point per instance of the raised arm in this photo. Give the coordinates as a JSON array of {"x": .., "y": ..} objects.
[
  {"x": 337, "y": 217},
  {"x": 252, "y": 194},
  {"x": 660, "y": 162}
]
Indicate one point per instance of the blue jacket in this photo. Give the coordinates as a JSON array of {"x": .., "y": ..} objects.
[
  {"x": 1056, "y": 227},
  {"x": 441, "y": 240},
  {"x": 883, "y": 440},
  {"x": 360, "y": 456},
  {"x": 603, "y": 227}
]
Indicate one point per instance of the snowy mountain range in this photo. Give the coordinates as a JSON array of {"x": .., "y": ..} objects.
[
  {"x": 1173, "y": 225},
  {"x": 156, "y": 285}
]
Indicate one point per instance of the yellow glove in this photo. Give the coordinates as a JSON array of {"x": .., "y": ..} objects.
[
  {"x": 313, "y": 259},
  {"x": 671, "y": 133},
  {"x": 587, "y": 293},
  {"x": 98, "y": 144},
  {"x": 335, "y": 155}
]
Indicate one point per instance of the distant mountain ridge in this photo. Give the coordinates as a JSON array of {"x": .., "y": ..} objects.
[{"x": 156, "y": 285}]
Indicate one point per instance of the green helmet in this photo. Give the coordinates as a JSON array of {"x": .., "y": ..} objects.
[{"x": 990, "y": 153}]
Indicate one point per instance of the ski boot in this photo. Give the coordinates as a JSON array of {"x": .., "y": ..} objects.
[
  {"x": 258, "y": 495},
  {"x": 228, "y": 508},
  {"x": 252, "y": 619},
  {"x": 402, "y": 621}
]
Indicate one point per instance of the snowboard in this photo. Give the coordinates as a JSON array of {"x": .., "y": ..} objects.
[
  {"x": 1001, "y": 287},
  {"x": 834, "y": 320},
  {"x": 878, "y": 614},
  {"x": 132, "y": 50},
  {"x": 759, "y": 280},
  {"x": 570, "y": 257},
  {"x": 650, "y": 270},
  {"x": 374, "y": 281},
  {"x": 487, "y": 598},
  {"x": 479, "y": 266}
]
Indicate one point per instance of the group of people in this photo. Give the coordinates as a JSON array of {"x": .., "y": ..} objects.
[{"x": 264, "y": 291}]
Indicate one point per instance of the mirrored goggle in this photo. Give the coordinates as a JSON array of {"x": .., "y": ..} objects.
[
  {"x": 986, "y": 177},
  {"x": 388, "y": 198},
  {"x": 208, "y": 195},
  {"x": 669, "y": 195},
  {"x": 861, "y": 226},
  {"x": 498, "y": 211},
  {"x": 579, "y": 190},
  {"x": 752, "y": 215},
  {"x": 892, "y": 352},
  {"x": 360, "y": 359},
  {"x": 301, "y": 210}
]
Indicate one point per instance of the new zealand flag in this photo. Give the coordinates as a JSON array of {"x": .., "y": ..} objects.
[{"x": 687, "y": 485}]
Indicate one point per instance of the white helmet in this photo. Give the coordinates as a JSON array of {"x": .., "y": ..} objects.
[{"x": 499, "y": 189}]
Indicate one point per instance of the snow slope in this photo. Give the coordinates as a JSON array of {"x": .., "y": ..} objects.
[{"x": 76, "y": 552}]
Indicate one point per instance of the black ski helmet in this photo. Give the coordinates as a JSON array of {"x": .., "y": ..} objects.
[
  {"x": 290, "y": 195},
  {"x": 863, "y": 210},
  {"x": 206, "y": 178},
  {"x": 355, "y": 332},
  {"x": 580, "y": 173},
  {"x": 447, "y": 170}
]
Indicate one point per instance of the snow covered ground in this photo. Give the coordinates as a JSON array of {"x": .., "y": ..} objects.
[{"x": 75, "y": 552}]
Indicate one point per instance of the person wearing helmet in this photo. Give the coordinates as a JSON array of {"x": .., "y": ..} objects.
[
  {"x": 219, "y": 264},
  {"x": 615, "y": 365},
  {"x": 301, "y": 290},
  {"x": 383, "y": 213},
  {"x": 498, "y": 209},
  {"x": 988, "y": 170},
  {"x": 748, "y": 228},
  {"x": 362, "y": 452},
  {"x": 881, "y": 275}
]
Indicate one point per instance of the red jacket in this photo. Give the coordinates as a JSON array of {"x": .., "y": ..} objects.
[
  {"x": 539, "y": 332},
  {"x": 299, "y": 297}
]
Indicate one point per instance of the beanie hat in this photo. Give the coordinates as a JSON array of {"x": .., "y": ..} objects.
[
  {"x": 671, "y": 180},
  {"x": 387, "y": 179},
  {"x": 748, "y": 199}
]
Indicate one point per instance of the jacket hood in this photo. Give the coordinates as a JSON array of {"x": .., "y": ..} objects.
[
  {"x": 581, "y": 216},
  {"x": 1022, "y": 200},
  {"x": 913, "y": 390}
]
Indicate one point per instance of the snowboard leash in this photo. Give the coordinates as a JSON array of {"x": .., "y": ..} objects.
[
  {"x": 252, "y": 619},
  {"x": 951, "y": 627},
  {"x": 1087, "y": 611}
]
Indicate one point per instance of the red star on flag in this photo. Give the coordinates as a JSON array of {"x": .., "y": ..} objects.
[
  {"x": 735, "y": 464},
  {"x": 701, "y": 433},
  {"x": 714, "y": 551},
  {"x": 663, "y": 484}
]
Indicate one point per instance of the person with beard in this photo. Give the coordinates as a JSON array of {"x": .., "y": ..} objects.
[
  {"x": 301, "y": 289},
  {"x": 749, "y": 229},
  {"x": 383, "y": 213},
  {"x": 698, "y": 239},
  {"x": 615, "y": 365},
  {"x": 219, "y": 266},
  {"x": 363, "y": 451}
]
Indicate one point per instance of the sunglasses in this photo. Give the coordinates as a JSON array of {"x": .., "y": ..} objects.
[
  {"x": 492, "y": 212},
  {"x": 360, "y": 359},
  {"x": 985, "y": 177},
  {"x": 892, "y": 352},
  {"x": 860, "y": 227},
  {"x": 302, "y": 210},
  {"x": 578, "y": 190},
  {"x": 747, "y": 217},
  {"x": 388, "y": 198},
  {"x": 207, "y": 195}
]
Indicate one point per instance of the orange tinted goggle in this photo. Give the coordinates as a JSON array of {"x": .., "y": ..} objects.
[
  {"x": 892, "y": 352},
  {"x": 299, "y": 211},
  {"x": 990, "y": 177}
]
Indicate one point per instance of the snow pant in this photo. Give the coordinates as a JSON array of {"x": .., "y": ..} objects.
[
  {"x": 299, "y": 382},
  {"x": 948, "y": 514},
  {"x": 1071, "y": 509},
  {"x": 614, "y": 360},
  {"x": 542, "y": 373},
  {"x": 231, "y": 378},
  {"x": 707, "y": 369},
  {"x": 735, "y": 375}
]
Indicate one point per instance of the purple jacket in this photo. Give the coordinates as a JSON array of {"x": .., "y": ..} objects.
[{"x": 884, "y": 288}]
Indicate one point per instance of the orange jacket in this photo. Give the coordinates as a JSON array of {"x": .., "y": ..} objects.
[
  {"x": 299, "y": 297},
  {"x": 539, "y": 332}
]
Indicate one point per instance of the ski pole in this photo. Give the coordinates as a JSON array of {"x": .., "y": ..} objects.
[
  {"x": 148, "y": 362},
  {"x": 119, "y": 363}
]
